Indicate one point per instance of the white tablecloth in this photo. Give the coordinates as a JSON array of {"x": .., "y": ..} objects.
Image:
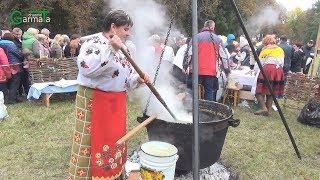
[
  {"x": 243, "y": 77},
  {"x": 62, "y": 86}
]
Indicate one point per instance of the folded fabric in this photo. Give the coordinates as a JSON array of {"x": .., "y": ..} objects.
[{"x": 65, "y": 83}]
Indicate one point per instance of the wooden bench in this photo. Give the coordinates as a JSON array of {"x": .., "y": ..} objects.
[{"x": 50, "y": 70}]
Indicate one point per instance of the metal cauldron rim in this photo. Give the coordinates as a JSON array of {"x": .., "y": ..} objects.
[
  {"x": 206, "y": 122},
  {"x": 215, "y": 121}
]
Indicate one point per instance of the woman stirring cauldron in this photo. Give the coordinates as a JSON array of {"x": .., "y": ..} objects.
[{"x": 104, "y": 77}]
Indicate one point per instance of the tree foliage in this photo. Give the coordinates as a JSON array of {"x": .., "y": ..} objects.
[
  {"x": 85, "y": 16},
  {"x": 218, "y": 10},
  {"x": 72, "y": 16},
  {"x": 301, "y": 26}
]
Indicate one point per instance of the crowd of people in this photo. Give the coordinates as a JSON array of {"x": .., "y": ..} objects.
[
  {"x": 218, "y": 54},
  {"x": 279, "y": 57},
  {"x": 229, "y": 51},
  {"x": 16, "y": 47}
]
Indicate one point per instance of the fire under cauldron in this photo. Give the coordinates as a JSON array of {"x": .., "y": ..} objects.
[{"x": 215, "y": 118}]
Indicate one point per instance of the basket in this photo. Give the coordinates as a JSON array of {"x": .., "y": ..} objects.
[{"x": 51, "y": 69}]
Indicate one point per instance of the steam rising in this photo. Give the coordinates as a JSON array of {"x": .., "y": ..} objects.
[
  {"x": 149, "y": 18},
  {"x": 265, "y": 17}
]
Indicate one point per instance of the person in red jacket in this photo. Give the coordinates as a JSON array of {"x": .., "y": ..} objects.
[
  {"x": 5, "y": 72},
  {"x": 15, "y": 59},
  {"x": 210, "y": 51}
]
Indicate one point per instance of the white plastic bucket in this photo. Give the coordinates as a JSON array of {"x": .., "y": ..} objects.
[{"x": 158, "y": 158}]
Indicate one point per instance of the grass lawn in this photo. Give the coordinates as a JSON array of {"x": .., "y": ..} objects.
[{"x": 35, "y": 143}]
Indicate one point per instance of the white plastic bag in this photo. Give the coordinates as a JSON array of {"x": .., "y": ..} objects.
[{"x": 3, "y": 108}]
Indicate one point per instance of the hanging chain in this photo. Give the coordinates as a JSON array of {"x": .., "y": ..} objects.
[
  {"x": 159, "y": 64},
  {"x": 162, "y": 53}
]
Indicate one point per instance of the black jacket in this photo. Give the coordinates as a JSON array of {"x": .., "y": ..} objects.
[
  {"x": 297, "y": 59},
  {"x": 67, "y": 52},
  {"x": 307, "y": 53},
  {"x": 288, "y": 52},
  {"x": 17, "y": 42}
]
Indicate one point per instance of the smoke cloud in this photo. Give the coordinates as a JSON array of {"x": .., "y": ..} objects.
[
  {"x": 265, "y": 17},
  {"x": 149, "y": 18}
]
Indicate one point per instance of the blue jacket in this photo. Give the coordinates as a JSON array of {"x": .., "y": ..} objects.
[{"x": 13, "y": 52}]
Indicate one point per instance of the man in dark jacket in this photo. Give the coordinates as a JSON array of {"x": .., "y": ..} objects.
[
  {"x": 73, "y": 48},
  {"x": 17, "y": 33},
  {"x": 288, "y": 52},
  {"x": 307, "y": 50},
  {"x": 297, "y": 58}
]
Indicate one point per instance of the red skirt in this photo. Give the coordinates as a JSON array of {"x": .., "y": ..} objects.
[
  {"x": 100, "y": 122},
  {"x": 276, "y": 78}
]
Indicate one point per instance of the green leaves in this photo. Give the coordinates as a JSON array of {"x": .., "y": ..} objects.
[{"x": 304, "y": 23}]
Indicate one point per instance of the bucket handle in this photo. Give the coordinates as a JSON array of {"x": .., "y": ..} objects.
[
  {"x": 234, "y": 122},
  {"x": 165, "y": 165}
]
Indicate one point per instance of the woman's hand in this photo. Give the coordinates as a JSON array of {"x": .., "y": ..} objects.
[
  {"x": 116, "y": 42},
  {"x": 145, "y": 79}
]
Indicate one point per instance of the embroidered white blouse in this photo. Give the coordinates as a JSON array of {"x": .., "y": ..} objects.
[{"x": 101, "y": 67}]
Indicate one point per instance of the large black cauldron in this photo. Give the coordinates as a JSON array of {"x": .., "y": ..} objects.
[{"x": 215, "y": 118}]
